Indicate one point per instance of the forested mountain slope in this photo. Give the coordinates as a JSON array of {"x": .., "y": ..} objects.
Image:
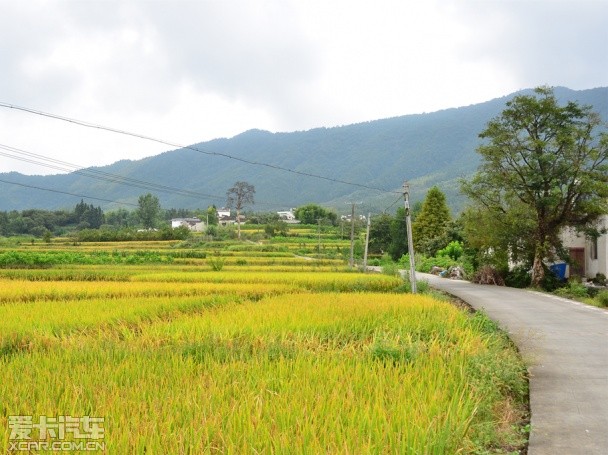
[{"x": 425, "y": 149}]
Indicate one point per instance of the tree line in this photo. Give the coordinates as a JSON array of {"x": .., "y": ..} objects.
[{"x": 38, "y": 222}]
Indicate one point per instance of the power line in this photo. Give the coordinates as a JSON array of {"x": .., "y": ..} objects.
[
  {"x": 172, "y": 144},
  {"x": 52, "y": 163},
  {"x": 390, "y": 206},
  {"x": 65, "y": 192}
]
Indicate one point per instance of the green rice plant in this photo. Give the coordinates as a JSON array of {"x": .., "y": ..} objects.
[{"x": 216, "y": 263}]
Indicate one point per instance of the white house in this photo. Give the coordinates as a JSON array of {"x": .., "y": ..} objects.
[
  {"x": 589, "y": 256},
  {"x": 223, "y": 213},
  {"x": 288, "y": 216},
  {"x": 348, "y": 218},
  {"x": 194, "y": 224}
]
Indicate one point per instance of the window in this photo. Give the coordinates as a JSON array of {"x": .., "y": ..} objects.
[{"x": 593, "y": 249}]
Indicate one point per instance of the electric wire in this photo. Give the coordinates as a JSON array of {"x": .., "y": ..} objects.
[
  {"x": 68, "y": 193},
  {"x": 41, "y": 160},
  {"x": 390, "y": 206},
  {"x": 34, "y": 158},
  {"x": 189, "y": 147}
]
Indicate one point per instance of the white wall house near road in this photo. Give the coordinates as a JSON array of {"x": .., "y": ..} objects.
[{"x": 588, "y": 256}]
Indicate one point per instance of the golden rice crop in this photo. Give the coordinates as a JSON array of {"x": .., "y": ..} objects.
[
  {"x": 290, "y": 358},
  {"x": 298, "y": 373},
  {"x": 339, "y": 281},
  {"x": 26, "y": 327},
  {"x": 34, "y": 291}
]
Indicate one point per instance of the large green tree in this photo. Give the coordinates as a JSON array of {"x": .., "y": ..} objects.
[
  {"x": 431, "y": 223},
  {"x": 388, "y": 234},
  {"x": 380, "y": 237},
  {"x": 148, "y": 210},
  {"x": 310, "y": 213},
  {"x": 544, "y": 167},
  {"x": 237, "y": 197}
]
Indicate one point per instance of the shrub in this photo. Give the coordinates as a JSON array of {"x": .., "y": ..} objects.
[
  {"x": 519, "y": 277},
  {"x": 592, "y": 291},
  {"x": 453, "y": 250},
  {"x": 427, "y": 264},
  {"x": 488, "y": 274},
  {"x": 600, "y": 279},
  {"x": 574, "y": 290},
  {"x": 217, "y": 264},
  {"x": 390, "y": 268},
  {"x": 602, "y": 298},
  {"x": 551, "y": 281}
]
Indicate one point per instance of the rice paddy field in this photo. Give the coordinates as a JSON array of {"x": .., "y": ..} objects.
[{"x": 243, "y": 348}]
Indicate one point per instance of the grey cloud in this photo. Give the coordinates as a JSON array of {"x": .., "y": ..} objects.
[
  {"x": 233, "y": 49},
  {"x": 552, "y": 42},
  {"x": 244, "y": 53},
  {"x": 27, "y": 34}
]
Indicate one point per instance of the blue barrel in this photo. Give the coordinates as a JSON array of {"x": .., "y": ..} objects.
[{"x": 559, "y": 270}]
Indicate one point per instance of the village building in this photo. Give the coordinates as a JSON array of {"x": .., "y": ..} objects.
[{"x": 194, "y": 224}]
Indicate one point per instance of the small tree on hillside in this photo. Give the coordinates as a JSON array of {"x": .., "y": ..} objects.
[
  {"x": 430, "y": 226},
  {"x": 237, "y": 197}
]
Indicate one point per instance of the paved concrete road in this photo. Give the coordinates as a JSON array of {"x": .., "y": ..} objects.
[{"x": 565, "y": 343}]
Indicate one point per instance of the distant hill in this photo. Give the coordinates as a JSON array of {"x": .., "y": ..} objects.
[{"x": 425, "y": 149}]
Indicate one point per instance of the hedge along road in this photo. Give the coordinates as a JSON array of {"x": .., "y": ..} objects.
[{"x": 565, "y": 345}]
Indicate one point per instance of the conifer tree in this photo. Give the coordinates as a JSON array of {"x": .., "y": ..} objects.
[{"x": 430, "y": 226}]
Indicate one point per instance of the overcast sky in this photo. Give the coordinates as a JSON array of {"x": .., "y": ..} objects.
[{"x": 190, "y": 71}]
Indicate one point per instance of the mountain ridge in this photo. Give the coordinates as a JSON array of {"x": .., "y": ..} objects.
[{"x": 426, "y": 149}]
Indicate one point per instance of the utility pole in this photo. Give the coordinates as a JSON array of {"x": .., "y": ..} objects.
[
  {"x": 410, "y": 242},
  {"x": 319, "y": 236},
  {"x": 369, "y": 220},
  {"x": 351, "y": 261}
]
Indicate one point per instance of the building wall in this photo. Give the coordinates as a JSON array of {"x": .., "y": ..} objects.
[
  {"x": 593, "y": 265},
  {"x": 600, "y": 264},
  {"x": 196, "y": 226}
]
